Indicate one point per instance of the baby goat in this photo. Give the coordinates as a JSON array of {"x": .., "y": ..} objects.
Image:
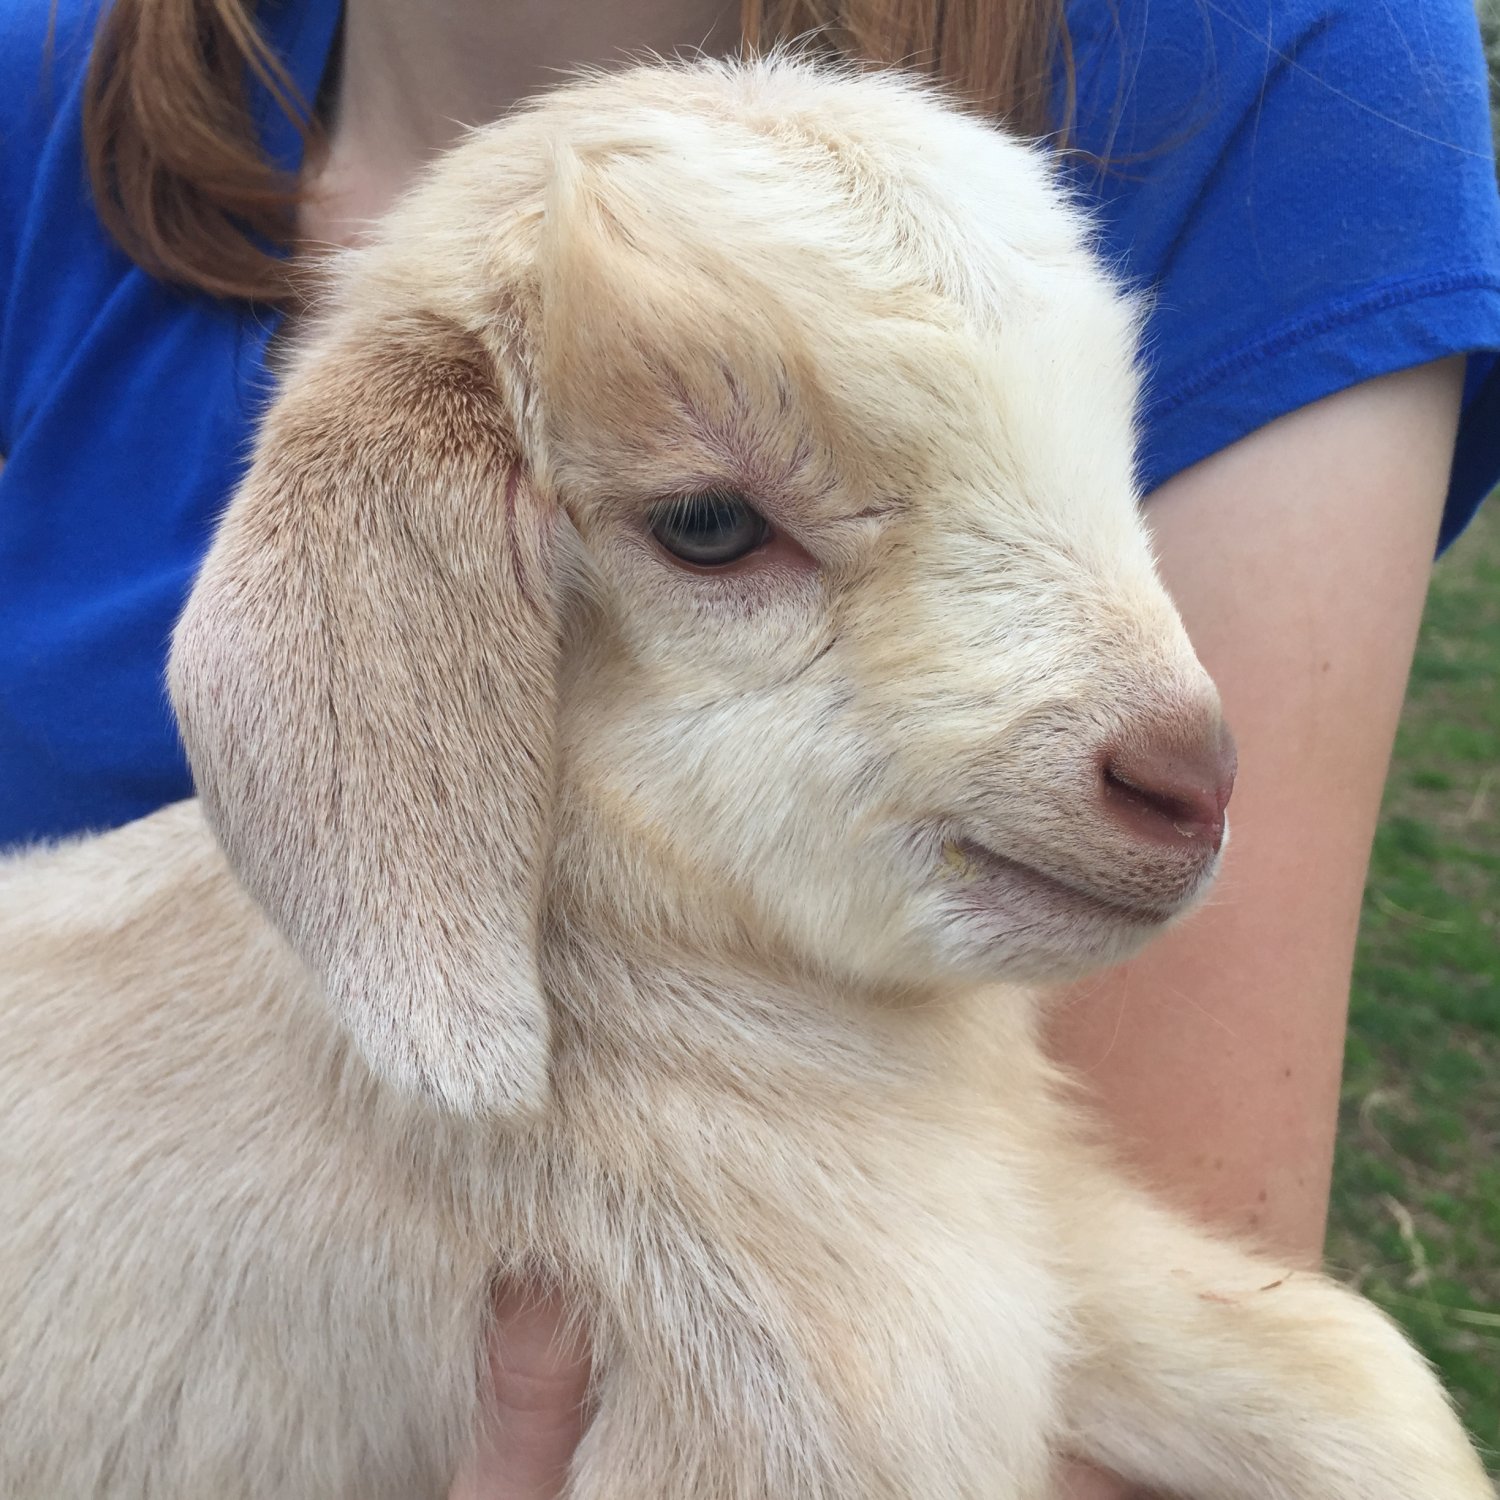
[{"x": 684, "y": 657}]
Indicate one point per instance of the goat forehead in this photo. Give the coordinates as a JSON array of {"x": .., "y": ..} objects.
[
  {"x": 855, "y": 404},
  {"x": 664, "y": 319},
  {"x": 768, "y": 255},
  {"x": 779, "y": 155},
  {"x": 877, "y": 138},
  {"x": 693, "y": 345}
]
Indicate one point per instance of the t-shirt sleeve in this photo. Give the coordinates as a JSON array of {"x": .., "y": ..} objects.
[
  {"x": 44, "y": 50},
  {"x": 1307, "y": 193}
]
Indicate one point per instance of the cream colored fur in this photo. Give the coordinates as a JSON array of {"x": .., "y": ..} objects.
[{"x": 615, "y": 934}]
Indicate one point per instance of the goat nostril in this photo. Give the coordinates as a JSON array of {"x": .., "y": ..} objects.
[
  {"x": 1188, "y": 814},
  {"x": 1170, "y": 789}
]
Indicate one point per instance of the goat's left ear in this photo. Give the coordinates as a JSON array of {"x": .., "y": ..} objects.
[{"x": 365, "y": 677}]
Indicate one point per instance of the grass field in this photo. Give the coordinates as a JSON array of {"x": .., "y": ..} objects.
[{"x": 1417, "y": 1182}]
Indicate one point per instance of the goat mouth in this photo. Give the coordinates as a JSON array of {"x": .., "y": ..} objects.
[{"x": 987, "y": 879}]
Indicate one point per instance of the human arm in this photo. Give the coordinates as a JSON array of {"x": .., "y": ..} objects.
[{"x": 1299, "y": 558}]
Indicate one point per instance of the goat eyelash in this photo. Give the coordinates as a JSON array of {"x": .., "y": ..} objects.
[{"x": 711, "y": 529}]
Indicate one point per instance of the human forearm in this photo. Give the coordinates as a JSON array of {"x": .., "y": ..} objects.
[{"x": 1299, "y": 559}]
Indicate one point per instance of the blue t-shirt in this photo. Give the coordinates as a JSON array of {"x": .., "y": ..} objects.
[{"x": 1306, "y": 186}]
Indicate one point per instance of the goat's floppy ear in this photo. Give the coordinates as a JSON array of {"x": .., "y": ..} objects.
[{"x": 365, "y": 676}]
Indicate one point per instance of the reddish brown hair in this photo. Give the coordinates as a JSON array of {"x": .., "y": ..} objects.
[
  {"x": 998, "y": 55},
  {"x": 181, "y": 181}
]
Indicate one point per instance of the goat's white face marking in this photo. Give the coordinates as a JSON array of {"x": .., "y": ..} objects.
[{"x": 900, "y": 354}]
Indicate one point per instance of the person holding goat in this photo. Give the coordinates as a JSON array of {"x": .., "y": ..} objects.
[{"x": 1321, "y": 410}]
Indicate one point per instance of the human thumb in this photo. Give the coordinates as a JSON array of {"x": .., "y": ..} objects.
[{"x": 536, "y": 1414}]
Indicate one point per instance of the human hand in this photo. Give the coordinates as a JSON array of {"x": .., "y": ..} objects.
[
  {"x": 540, "y": 1374},
  {"x": 1085, "y": 1482}
]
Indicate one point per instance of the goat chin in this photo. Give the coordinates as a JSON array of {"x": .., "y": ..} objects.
[{"x": 577, "y": 898}]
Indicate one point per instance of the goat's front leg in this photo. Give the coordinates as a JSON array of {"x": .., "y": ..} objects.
[{"x": 1214, "y": 1375}]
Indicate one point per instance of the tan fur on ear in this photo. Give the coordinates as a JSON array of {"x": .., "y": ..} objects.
[{"x": 365, "y": 679}]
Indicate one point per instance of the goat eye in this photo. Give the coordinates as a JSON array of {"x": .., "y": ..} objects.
[{"x": 709, "y": 530}]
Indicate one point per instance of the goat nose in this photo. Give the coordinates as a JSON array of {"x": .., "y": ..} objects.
[{"x": 1171, "y": 787}]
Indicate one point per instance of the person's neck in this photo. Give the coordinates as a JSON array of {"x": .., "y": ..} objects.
[{"x": 412, "y": 77}]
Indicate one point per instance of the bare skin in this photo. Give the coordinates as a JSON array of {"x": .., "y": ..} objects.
[
  {"x": 1299, "y": 558},
  {"x": 540, "y": 1379},
  {"x": 412, "y": 78}
]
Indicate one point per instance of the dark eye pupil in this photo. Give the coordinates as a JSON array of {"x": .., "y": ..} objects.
[{"x": 710, "y": 529}]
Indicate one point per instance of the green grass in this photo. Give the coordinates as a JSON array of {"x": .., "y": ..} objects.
[{"x": 1416, "y": 1208}]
